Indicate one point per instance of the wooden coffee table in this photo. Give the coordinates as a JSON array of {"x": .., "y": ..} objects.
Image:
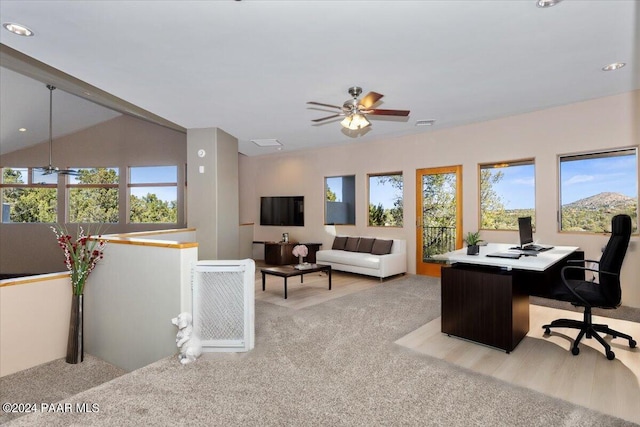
[{"x": 287, "y": 271}]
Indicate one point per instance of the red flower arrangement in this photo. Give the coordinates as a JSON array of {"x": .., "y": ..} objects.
[{"x": 80, "y": 256}]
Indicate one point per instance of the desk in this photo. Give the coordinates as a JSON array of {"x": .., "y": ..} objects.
[{"x": 486, "y": 299}]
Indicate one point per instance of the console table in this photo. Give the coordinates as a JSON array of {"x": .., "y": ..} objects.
[
  {"x": 280, "y": 253},
  {"x": 486, "y": 299}
]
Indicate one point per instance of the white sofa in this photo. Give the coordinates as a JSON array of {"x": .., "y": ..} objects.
[{"x": 381, "y": 266}]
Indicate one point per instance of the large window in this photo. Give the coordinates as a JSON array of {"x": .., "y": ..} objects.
[
  {"x": 596, "y": 186},
  {"x": 385, "y": 200},
  {"x": 340, "y": 200},
  {"x": 507, "y": 192},
  {"x": 153, "y": 194},
  {"x": 93, "y": 195},
  {"x": 28, "y": 195}
]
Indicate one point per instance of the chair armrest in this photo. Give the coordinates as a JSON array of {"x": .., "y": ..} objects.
[
  {"x": 582, "y": 261},
  {"x": 566, "y": 284},
  {"x": 572, "y": 267}
]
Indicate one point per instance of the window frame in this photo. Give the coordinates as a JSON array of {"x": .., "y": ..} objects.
[
  {"x": 131, "y": 185},
  {"x": 505, "y": 164},
  {"x": 70, "y": 186},
  {"x": 29, "y": 184},
  {"x": 384, "y": 174},
  {"x": 352, "y": 213},
  {"x": 595, "y": 154}
]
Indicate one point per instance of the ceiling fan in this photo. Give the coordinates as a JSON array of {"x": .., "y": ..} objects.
[
  {"x": 355, "y": 110},
  {"x": 50, "y": 169}
]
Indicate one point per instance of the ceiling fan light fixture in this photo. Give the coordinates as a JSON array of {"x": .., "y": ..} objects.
[
  {"x": 18, "y": 29},
  {"x": 355, "y": 122}
]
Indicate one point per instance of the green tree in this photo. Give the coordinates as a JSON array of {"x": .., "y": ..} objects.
[
  {"x": 492, "y": 208},
  {"x": 30, "y": 204},
  {"x": 94, "y": 204},
  {"x": 331, "y": 196},
  {"x": 150, "y": 208},
  {"x": 392, "y": 216},
  {"x": 438, "y": 213},
  {"x": 376, "y": 215}
]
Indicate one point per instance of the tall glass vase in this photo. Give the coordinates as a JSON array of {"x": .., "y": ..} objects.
[{"x": 75, "y": 342}]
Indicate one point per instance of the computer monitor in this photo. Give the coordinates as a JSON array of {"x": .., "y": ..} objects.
[{"x": 526, "y": 231}]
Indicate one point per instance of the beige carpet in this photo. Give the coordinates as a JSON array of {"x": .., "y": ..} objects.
[
  {"x": 330, "y": 364},
  {"x": 53, "y": 382},
  {"x": 545, "y": 364}
]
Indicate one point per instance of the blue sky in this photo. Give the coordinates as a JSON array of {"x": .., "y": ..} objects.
[
  {"x": 580, "y": 179},
  {"x": 383, "y": 194},
  {"x": 586, "y": 178},
  {"x": 517, "y": 187}
]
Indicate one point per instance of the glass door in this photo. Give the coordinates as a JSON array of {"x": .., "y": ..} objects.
[{"x": 439, "y": 216}]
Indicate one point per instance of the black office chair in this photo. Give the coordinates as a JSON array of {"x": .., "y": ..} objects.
[{"x": 606, "y": 293}]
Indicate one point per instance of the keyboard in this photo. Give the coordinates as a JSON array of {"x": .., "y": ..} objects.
[
  {"x": 536, "y": 248},
  {"x": 510, "y": 255}
]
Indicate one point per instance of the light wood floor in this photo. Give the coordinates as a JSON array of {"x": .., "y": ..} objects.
[
  {"x": 545, "y": 364},
  {"x": 314, "y": 290}
]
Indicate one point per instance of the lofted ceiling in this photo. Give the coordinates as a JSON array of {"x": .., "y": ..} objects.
[{"x": 249, "y": 67}]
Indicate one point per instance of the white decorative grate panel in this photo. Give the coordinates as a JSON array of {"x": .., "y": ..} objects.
[{"x": 224, "y": 305}]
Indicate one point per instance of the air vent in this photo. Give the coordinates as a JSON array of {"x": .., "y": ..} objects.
[
  {"x": 425, "y": 122},
  {"x": 266, "y": 142}
]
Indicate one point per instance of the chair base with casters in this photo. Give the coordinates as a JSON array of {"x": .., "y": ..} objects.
[
  {"x": 605, "y": 293},
  {"x": 589, "y": 330}
]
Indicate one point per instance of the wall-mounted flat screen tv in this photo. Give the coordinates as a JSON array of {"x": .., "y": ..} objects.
[{"x": 282, "y": 210}]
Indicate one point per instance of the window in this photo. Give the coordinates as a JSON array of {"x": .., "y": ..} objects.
[
  {"x": 385, "y": 200},
  {"x": 507, "y": 192},
  {"x": 340, "y": 198},
  {"x": 28, "y": 196},
  {"x": 93, "y": 195},
  {"x": 596, "y": 186},
  {"x": 153, "y": 194}
]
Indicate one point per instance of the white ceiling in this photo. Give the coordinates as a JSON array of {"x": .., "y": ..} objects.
[{"x": 249, "y": 67}]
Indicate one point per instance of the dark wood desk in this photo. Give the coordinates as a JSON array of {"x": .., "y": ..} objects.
[
  {"x": 279, "y": 253},
  {"x": 486, "y": 300},
  {"x": 290, "y": 271}
]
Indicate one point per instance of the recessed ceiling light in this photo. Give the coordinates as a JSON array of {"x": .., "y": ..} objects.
[
  {"x": 22, "y": 129},
  {"x": 547, "y": 3},
  {"x": 614, "y": 66},
  {"x": 18, "y": 29},
  {"x": 425, "y": 122}
]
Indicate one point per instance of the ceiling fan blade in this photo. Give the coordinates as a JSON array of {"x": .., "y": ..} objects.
[
  {"x": 327, "y": 118},
  {"x": 370, "y": 99},
  {"x": 381, "y": 112},
  {"x": 324, "y": 105}
]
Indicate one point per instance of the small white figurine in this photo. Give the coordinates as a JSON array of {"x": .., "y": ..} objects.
[{"x": 189, "y": 345}]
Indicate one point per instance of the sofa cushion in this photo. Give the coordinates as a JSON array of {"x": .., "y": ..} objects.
[
  {"x": 339, "y": 242},
  {"x": 365, "y": 245},
  {"x": 356, "y": 259},
  {"x": 381, "y": 247},
  {"x": 352, "y": 244}
]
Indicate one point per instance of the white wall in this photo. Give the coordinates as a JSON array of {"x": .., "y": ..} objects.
[
  {"x": 543, "y": 135},
  {"x": 133, "y": 294},
  {"x": 34, "y": 321},
  {"x": 212, "y": 205}
]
